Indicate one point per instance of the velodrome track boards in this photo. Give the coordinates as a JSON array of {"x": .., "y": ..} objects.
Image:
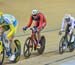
[{"x": 54, "y": 11}]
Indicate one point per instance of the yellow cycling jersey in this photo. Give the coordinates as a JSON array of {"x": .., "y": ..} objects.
[{"x": 11, "y": 24}]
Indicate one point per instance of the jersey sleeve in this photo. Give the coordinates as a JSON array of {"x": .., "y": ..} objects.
[
  {"x": 72, "y": 26},
  {"x": 73, "y": 22},
  {"x": 40, "y": 22},
  {"x": 12, "y": 30},
  {"x": 45, "y": 22},
  {"x": 63, "y": 24},
  {"x": 30, "y": 22}
]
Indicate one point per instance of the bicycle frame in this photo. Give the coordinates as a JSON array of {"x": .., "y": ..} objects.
[{"x": 33, "y": 37}]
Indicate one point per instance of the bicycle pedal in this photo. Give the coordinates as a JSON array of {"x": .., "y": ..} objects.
[{"x": 38, "y": 46}]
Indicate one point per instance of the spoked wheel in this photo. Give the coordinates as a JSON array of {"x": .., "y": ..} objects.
[
  {"x": 71, "y": 47},
  {"x": 1, "y": 57},
  {"x": 42, "y": 43},
  {"x": 17, "y": 50},
  {"x": 27, "y": 48},
  {"x": 62, "y": 45},
  {"x": 1, "y": 54}
]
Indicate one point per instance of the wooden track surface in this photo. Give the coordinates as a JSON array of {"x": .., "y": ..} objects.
[{"x": 54, "y": 11}]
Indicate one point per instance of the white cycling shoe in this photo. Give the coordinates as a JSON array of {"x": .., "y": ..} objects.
[
  {"x": 38, "y": 46},
  {"x": 12, "y": 57}
]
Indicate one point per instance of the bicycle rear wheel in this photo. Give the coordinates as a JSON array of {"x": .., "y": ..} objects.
[
  {"x": 71, "y": 47},
  {"x": 1, "y": 54},
  {"x": 27, "y": 49},
  {"x": 42, "y": 43}
]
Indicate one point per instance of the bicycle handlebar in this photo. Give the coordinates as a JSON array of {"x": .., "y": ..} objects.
[
  {"x": 31, "y": 29},
  {"x": 60, "y": 32}
]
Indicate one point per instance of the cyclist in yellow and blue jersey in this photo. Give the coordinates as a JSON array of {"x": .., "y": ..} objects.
[{"x": 9, "y": 23}]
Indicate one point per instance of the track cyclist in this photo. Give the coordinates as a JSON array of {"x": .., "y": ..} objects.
[
  {"x": 8, "y": 23},
  {"x": 70, "y": 21},
  {"x": 39, "y": 22}
]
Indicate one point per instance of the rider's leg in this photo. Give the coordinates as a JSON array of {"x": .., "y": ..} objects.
[
  {"x": 72, "y": 38},
  {"x": 38, "y": 36},
  {"x": 6, "y": 44},
  {"x": 5, "y": 41},
  {"x": 11, "y": 39},
  {"x": 38, "y": 39},
  {"x": 12, "y": 45}
]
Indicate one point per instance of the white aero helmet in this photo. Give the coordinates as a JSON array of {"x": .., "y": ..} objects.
[
  {"x": 67, "y": 17},
  {"x": 35, "y": 11}
]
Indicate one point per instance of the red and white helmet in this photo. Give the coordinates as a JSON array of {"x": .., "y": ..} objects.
[{"x": 35, "y": 11}]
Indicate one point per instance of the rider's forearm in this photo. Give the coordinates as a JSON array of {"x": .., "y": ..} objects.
[
  {"x": 12, "y": 29},
  {"x": 30, "y": 22},
  {"x": 62, "y": 26}
]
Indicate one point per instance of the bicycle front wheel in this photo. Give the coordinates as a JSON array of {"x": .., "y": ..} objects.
[
  {"x": 27, "y": 49},
  {"x": 62, "y": 45},
  {"x": 17, "y": 50}
]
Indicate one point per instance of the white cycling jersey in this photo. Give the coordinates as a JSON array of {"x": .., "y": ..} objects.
[{"x": 71, "y": 22}]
